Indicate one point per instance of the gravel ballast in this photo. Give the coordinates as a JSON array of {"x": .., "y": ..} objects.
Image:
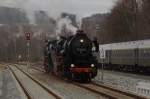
[{"x": 126, "y": 82}]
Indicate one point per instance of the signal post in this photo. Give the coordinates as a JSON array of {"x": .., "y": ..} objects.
[
  {"x": 102, "y": 57},
  {"x": 28, "y": 37}
]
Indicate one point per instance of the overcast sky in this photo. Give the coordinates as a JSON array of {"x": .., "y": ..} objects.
[{"x": 80, "y": 7}]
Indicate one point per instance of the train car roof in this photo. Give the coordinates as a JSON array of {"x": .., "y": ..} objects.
[{"x": 126, "y": 45}]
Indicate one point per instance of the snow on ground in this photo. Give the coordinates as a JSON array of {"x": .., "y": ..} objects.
[{"x": 126, "y": 82}]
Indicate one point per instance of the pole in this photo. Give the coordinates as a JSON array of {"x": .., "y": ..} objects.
[
  {"x": 102, "y": 72},
  {"x": 15, "y": 45},
  {"x": 28, "y": 56},
  {"x": 102, "y": 56},
  {"x": 28, "y": 49}
]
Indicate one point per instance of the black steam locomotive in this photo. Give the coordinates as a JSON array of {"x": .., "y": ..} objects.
[{"x": 72, "y": 57}]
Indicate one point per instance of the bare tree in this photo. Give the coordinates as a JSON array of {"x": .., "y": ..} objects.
[
  {"x": 145, "y": 19},
  {"x": 122, "y": 22}
]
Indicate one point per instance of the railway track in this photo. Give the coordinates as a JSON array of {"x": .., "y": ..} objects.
[
  {"x": 26, "y": 90},
  {"x": 65, "y": 83},
  {"x": 38, "y": 69},
  {"x": 106, "y": 91},
  {"x": 103, "y": 90},
  {"x": 21, "y": 85},
  {"x": 119, "y": 91}
]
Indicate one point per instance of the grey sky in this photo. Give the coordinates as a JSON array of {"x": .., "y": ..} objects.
[{"x": 80, "y": 7}]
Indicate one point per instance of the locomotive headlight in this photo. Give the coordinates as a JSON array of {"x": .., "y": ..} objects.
[
  {"x": 81, "y": 40},
  {"x": 92, "y": 65},
  {"x": 72, "y": 65}
]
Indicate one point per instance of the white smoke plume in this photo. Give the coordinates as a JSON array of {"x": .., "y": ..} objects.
[
  {"x": 20, "y": 33},
  {"x": 68, "y": 25},
  {"x": 81, "y": 8},
  {"x": 54, "y": 8},
  {"x": 37, "y": 33}
]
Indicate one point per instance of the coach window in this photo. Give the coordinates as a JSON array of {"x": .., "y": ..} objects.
[{"x": 148, "y": 92}]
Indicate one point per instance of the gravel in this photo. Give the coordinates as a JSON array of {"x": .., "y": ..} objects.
[
  {"x": 63, "y": 88},
  {"x": 8, "y": 89},
  {"x": 67, "y": 90},
  {"x": 124, "y": 81},
  {"x": 36, "y": 91}
]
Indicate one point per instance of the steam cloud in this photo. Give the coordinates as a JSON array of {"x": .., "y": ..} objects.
[
  {"x": 55, "y": 7},
  {"x": 81, "y": 8},
  {"x": 67, "y": 23}
]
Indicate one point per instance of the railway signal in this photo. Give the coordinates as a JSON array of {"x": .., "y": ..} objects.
[{"x": 28, "y": 37}]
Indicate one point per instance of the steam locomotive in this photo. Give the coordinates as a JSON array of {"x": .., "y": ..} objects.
[{"x": 72, "y": 57}]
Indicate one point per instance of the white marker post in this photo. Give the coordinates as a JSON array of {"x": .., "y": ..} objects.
[
  {"x": 28, "y": 47},
  {"x": 102, "y": 56}
]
